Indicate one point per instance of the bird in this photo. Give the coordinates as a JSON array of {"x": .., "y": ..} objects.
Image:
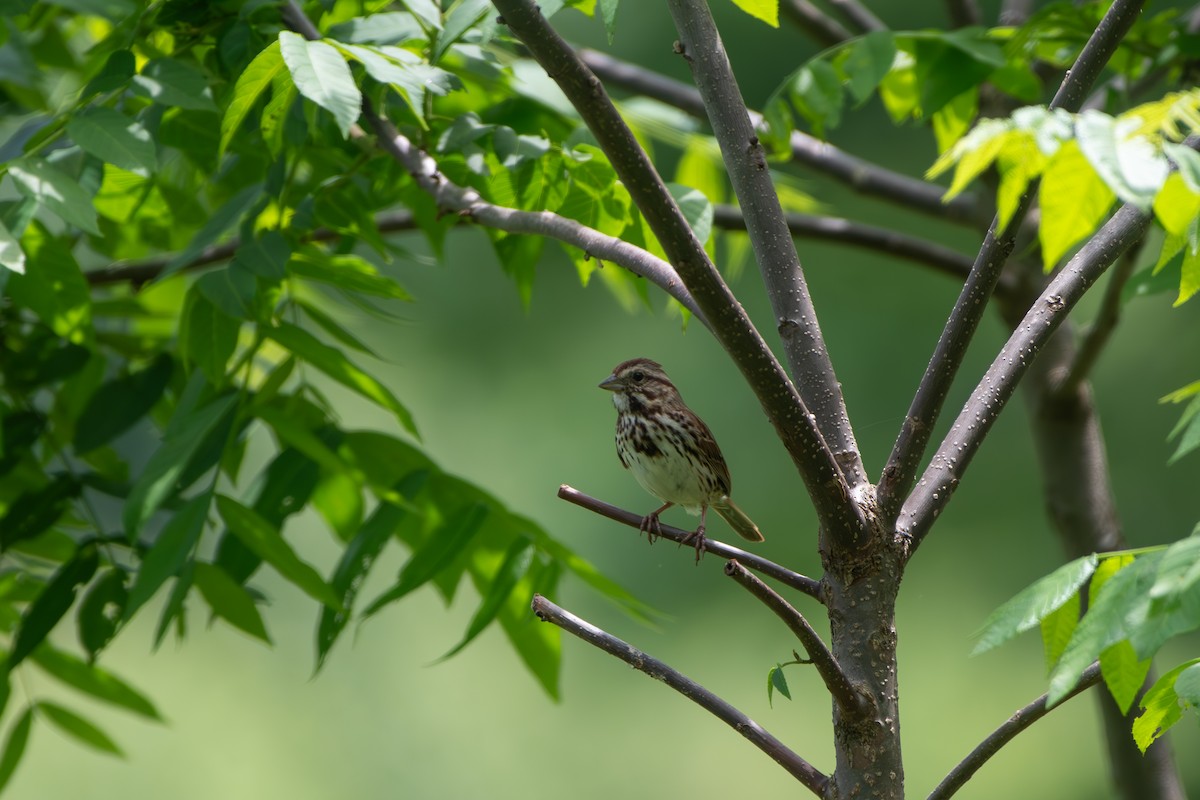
[{"x": 670, "y": 451}]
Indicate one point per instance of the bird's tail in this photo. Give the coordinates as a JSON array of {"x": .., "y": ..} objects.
[{"x": 737, "y": 519}]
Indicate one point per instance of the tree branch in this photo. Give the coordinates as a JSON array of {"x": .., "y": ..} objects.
[
  {"x": 952, "y": 458},
  {"x": 852, "y": 701},
  {"x": 801, "y": 583},
  {"x": 819, "y": 27},
  {"x": 858, "y": 15},
  {"x": 856, "y": 173},
  {"x": 964, "y": 319},
  {"x": 800, "y": 769},
  {"x": 784, "y": 406},
  {"x": 1015, "y": 724},
  {"x": 1102, "y": 327},
  {"x": 868, "y": 237},
  {"x": 774, "y": 249}
]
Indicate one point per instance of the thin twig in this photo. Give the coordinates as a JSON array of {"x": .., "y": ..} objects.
[
  {"x": 774, "y": 249},
  {"x": 858, "y": 15},
  {"x": 146, "y": 270},
  {"x": 800, "y": 583},
  {"x": 954, "y": 455},
  {"x": 818, "y": 25},
  {"x": 852, "y": 701},
  {"x": 905, "y": 458},
  {"x": 800, "y": 769},
  {"x": 1097, "y": 334},
  {"x": 732, "y": 327},
  {"x": 869, "y": 237},
  {"x": 858, "y": 174},
  {"x": 1015, "y": 724}
]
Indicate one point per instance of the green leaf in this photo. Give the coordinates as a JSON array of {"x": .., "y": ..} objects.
[
  {"x": 539, "y": 644},
  {"x": 776, "y": 680},
  {"x": 265, "y": 540},
  {"x": 220, "y": 221},
  {"x": 12, "y": 257},
  {"x": 441, "y": 548},
  {"x": 333, "y": 362},
  {"x": 462, "y": 17},
  {"x": 1074, "y": 201},
  {"x": 119, "y": 404},
  {"x": 78, "y": 728},
  {"x": 348, "y": 272},
  {"x": 265, "y": 255},
  {"x": 696, "y": 209},
  {"x": 54, "y": 601},
  {"x": 231, "y": 289},
  {"x": 14, "y": 746},
  {"x": 1189, "y": 277},
  {"x": 1035, "y": 603},
  {"x": 229, "y": 600},
  {"x": 868, "y": 60},
  {"x": 949, "y": 64},
  {"x": 1187, "y": 685},
  {"x": 1123, "y": 673},
  {"x": 1176, "y": 205},
  {"x": 33, "y": 512},
  {"x": 52, "y": 188},
  {"x": 816, "y": 92},
  {"x": 173, "y": 609},
  {"x": 356, "y": 562},
  {"x": 254, "y": 80},
  {"x": 171, "y": 82},
  {"x": 322, "y": 75},
  {"x": 1160, "y": 707},
  {"x": 608, "y": 13},
  {"x": 115, "y": 138},
  {"x": 1179, "y": 569},
  {"x": 53, "y": 286},
  {"x": 207, "y": 336},
  {"x": 1057, "y": 627},
  {"x": 93, "y": 681},
  {"x": 334, "y": 328},
  {"x": 169, "y": 461},
  {"x": 766, "y": 10},
  {"x": 100, "y": 611},
  {"x": 514, "y": 566},
  {"x": 1131, "y": 166}
]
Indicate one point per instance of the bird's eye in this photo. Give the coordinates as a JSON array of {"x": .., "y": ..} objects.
[{"x": 638, "y": 376}]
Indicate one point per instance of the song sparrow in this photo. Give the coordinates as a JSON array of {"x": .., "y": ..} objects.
[{"x": 670, "y": 450}]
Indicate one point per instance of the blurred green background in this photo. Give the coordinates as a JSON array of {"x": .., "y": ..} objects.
[{"x": 508, "y": 398}]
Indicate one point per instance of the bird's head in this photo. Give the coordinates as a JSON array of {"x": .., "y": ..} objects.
[{"x": 639, "y": 382}]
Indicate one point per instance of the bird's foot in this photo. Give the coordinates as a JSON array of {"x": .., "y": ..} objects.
[
  {"x": 697, "y": 540},
  {"x": 651, "y": 527}
]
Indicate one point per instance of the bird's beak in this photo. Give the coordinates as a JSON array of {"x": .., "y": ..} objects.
[{"x": 612, "y": 383}]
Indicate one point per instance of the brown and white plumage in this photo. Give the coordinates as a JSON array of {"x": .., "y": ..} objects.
[{"x": 669, "y": 450}]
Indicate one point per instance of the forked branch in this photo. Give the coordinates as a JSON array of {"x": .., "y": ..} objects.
[
  {"x": 1015, "y": 724},
  {"x": 852, "y": 701},
  {"x": 801, "y": 583},
  {"x": 803, "y": 771}
]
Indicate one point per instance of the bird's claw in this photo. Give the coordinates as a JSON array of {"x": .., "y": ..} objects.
[
  {"x": 651, "y": 527},
  {"x": 697, "y": 540}
]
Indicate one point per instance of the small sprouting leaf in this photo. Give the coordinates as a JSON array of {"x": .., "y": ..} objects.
[
  {"x": 79, "y": 728},
  {"x": 443, "y": 546},
  {"x": 254, "y": 80},
  {"x": 1035, "y": 603},
  {"x": 333, "y": 362},
  {"x": 168, "y": 463},
  {"x": 14, "y": 746},
  {"x": 516, "y": 562},
  {"x": 229, "y": 600},
  {"x": 356, "y": 562},
  {"x": 45, "y": 183},
  {"x": 117, "y": 405},
  {"x": 322, "y": 75},
  {"x": 115, "y": 138},
  {"x": 93, "y": 681},
  {"x": 776, "y": 681},
  {"x": 268, "y": 544},
  {"x": 54, "y": 601}
]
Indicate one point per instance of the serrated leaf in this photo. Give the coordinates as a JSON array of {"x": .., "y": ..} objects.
[
  {"x": 443, "y": 546},
  {"x": 78, "y": 728},
  {"x": 114, "y": 138},
  {"x": 1035, "y": 603},
  {"x": 1074, "y": 201},
  {"x": 52, "y": 188},
  {"x": 254, "y": 80},
  {"x": 333, "y": 362},
  {"x": 169, "y": 461},
  {"x": 93, "y": 681},
  {"x": 229, "y": 600},
  {"x": 14, "y": 746},
  {"x": 1160, "y": 708},
  {"x": 515, "y": 564},
  {"x": 322, "y": 75},
  {"x": 1123, "y": 673},
  {"x": 1057, "y": 628},
  {"x": 52, "y": 603},
  {"x": 356, "y": 562},
  {"x": 1176, "y": 205},
  {"x": 118, "y": 404},
  {"x": 268, "y": 544}
]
